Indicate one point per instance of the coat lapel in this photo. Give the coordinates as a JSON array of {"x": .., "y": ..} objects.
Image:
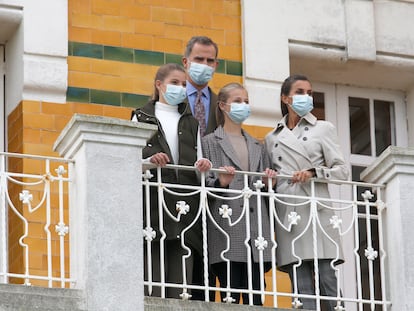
[
  {"x": 287, "y": 138},
  {"x": 255, "y": 152}
]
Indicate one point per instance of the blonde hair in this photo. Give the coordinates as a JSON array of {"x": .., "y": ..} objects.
[{"x": 223, "y": 96}]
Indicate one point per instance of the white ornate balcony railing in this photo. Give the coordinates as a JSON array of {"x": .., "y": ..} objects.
[
  {"x": 358, "y": 209},
  {"x": 34, "y": 220},
  {"x": 35, "y": 203}
]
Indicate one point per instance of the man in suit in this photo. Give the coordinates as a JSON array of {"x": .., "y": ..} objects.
[{"x": 200, "y": 62}]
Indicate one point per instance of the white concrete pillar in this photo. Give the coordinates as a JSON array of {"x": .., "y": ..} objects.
[
  {"x": 265, "y": 58},
  {"x": 106, "y": 254},
  {"x": 395, "y": 168},
  {"x": 410, "y": 116}
]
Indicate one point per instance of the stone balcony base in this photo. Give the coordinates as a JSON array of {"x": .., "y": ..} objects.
[{"x": 31, "y": 298}]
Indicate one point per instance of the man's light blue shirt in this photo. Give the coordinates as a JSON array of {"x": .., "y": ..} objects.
[{"x": 205, "y": 98}]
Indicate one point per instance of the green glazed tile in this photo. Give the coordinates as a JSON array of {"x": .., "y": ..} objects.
[
  {"x": 173, "y": 58},
  {"x": 221, "y": 68},
  {"x": 234, "y": 68},
  {"x": 77, "y": 94},
  {"x": 70, "y": 48},
  {"x": 118, "y": 54},
  {"x": 149, "y": 57},
  {"x": 87, "y": 50},
  {"x": 106, "y": 97},
  {"x": 134, "y": 100}
]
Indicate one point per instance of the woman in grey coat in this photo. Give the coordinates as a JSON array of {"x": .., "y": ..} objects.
[
  {"x": 305, "y": 147},
  {"x": 231, "y": 148}
]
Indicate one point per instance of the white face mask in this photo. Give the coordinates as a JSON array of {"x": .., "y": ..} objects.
[
  {"x": 174, "y": 94},
  {"x": 200, "y": 73},
  {"x": 239, "y": 112},
  {"x": 302, "y": 104}
]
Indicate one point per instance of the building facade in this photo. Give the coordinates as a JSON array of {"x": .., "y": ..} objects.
[{"x": 99, "y": 57}]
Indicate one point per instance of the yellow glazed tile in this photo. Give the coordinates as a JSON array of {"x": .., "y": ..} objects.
[
  {"x": 118, "y": 23},
  {"x": 79, "y": 34},
  {"x": 30, "y": 106},
  {"x": 38, "y": 121},
  {"x": 226, "y": 22},
  {"x": 105, "y": 7},
  {"x": 137, "y": 41},
  {"x": 56, "y": 109},
  {"x": 87, "y": 21},
  {"x": 106, "y": 37},
  {"x": 197, "y": 19},
  {"x": 151, "y": 28},
  {"x": 183, "y": 33},
  {"x": 168, "y": 15},
  {"x": 76, "y": 63},
  {"x": 31, "y": 135},
  {"x": 167, "y": 45},
  {"x": 138, "y": 12}
]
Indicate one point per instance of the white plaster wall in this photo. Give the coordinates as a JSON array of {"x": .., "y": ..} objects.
[
  {"x": 362, "y": 43},
  {"x": 14, "y": 70},
  {"x": 36, "y": 54},
  {"x": 319, "y": 21},
  {"x": 394, "y": 27},
  {"x": 410, "y": 116},
  {"x": 266, "y": 58}
]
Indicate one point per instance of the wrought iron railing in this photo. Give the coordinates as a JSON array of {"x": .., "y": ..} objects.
[
  {"x": 34, "y": 232},
  {"x": 356, "y": 210},
  {"x": 34, "y": 220}
]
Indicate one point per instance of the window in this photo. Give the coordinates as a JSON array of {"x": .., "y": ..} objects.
[{"x": 371, "y": 125}]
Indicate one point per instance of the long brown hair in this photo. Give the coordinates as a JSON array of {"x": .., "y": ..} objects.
[{"x": 162, "y": 73}]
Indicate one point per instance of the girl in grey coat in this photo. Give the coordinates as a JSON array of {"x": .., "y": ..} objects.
[
  {"x": 305, "y": 147},
  {"x": 230, "y": 148}
]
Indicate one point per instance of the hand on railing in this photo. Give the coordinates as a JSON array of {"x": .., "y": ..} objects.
[
  {"x": 226, "y": 178},
  {"x": 302, "y": 176},
  {"x": 269, "y": 174},
  {"x": 160, "y": 159},
  {"x": 203, "y": 165}
]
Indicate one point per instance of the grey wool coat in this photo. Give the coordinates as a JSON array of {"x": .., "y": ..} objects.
[
  {"x": 312, "y": 144},
  {"x": 218, "y": 149}
]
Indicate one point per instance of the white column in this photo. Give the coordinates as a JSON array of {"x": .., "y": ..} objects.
[
  {"x": 410, "y": 116},
  {"x": 395, "y": 168},
  {"x": 265, "y": 58},
  {"x": 106, "y": 254}
]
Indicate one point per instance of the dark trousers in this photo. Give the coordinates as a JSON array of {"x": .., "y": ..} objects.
[
  {"x": 239, "y": 279},
  {"x": 198, "y": 279},
  {"x": 173, "y": 253},
  {"x": 306, "y": 283}
]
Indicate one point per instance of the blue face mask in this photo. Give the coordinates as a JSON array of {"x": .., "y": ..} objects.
[
  {"x": 239, "y": 112},
  {"x": 302, "y": 104},
  {"x": 200, "y": 73},
  {"x": 174, "y": 94}
]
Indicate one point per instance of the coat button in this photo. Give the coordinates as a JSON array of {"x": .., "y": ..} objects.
[
  {"x": 251, "y": 210},
  {"x": 305, "y": 138},
  {"x": 279, "y": 158},
  {"x": 276, "y": 145},
  {"x": 149, "y": 145},
  {"x": 289, "y": 181},
  {"x": 306, "y": 128}
]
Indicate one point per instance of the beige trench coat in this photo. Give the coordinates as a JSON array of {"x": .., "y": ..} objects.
[{"x": 311, "y": 144}]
